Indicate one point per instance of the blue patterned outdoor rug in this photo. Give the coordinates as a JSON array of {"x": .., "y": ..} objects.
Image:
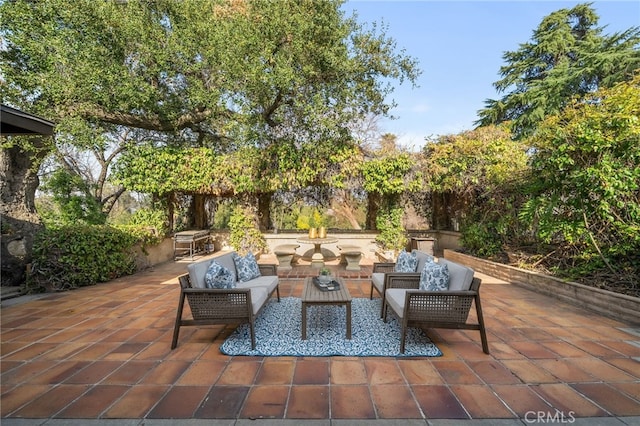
[{"x": 278, "y": 332}]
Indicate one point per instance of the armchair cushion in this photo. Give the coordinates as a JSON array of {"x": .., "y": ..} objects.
[
  {"x": 461, "y": 276},
  {"x": 246, "y": 267},
  {"x": 434, "y": 277},
  {"x": 423, "y": 258},
  {"x": 377, "y": 280},
  {"x": 217, "y": 276},
  {"x": 406, "y": 262}
]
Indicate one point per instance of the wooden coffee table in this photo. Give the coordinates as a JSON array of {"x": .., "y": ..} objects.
[{"x": 311, "y": 295}]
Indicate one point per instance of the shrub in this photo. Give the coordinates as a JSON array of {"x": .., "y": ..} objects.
[{"x": 74, "y": 256}]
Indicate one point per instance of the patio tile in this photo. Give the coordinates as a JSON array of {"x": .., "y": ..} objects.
[
  {"x": 565, "y": 370},
  {"x": 420, "y": 372},
  {"x": 239, "y": 373},
  {"x": 222, "y": 402},
  {"x": 59, "y": 372},
  {"x": 137, "y": 402},
  {"x": 383, "y": 371},
  {"x": 19, "y": 396},
  {"x": 351, "y": 402},
  {"x": 202, "y": 373},
  {"x": 456, "y": 372},
  {"x": 349, "y": 372},
  {"x": 93, "y": 403},
  {"x": 565, "y": 399},
  {"x": 609, "y": 398},
  {"x": 521, "y": 399},
  {"x": 308, "y": 402},
  {"x": 394, "y": 402},
  {"x": 103, "y": 352},
  {"x": 275, "y": 371},
  {"x": 493, "y": 372},
  {"x": 481, "y": 402},
  {"x": 602, "y": 370},
  {"x": 265, "y": 402},
  {"x": 51, "y": 402},
  {"x": 438, "y": 402},
  {"x": 130, "y": 372},
  {"x": 179, "y": 402},
  {"x": 528, "y": 371},
  {"x": 95, "y": 373},
  {"x": 311, "y": 372},
  {"x": 165, "y": 373}
]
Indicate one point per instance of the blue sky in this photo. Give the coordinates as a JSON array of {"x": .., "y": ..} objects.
[{"x": 459, "y": 46}]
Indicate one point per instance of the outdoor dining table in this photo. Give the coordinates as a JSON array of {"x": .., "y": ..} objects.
[{"x": 317, "y": 259}]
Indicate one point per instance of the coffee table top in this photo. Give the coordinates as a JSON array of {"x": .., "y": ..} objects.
[{"x": 312, "y": 294}]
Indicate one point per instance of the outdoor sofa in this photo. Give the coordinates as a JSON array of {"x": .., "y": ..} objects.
[{"x": 240, "y": 303}]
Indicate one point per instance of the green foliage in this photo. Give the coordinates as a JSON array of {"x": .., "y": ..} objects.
[
  {"x": 245, "y": 236},
  {"x": 149, "y": 225},
  {"x": 267, "y": 89},
  {"x": 586, "y": 171},
  {"x": 310, "y": 218},
  {"x": 392, "y": 234},
  {"x": 69, "y": 257},
  {"x": 390, "y": 174},
  {"x": 72, "y": 201},
  {"x": 480, "y": 240},
  {"x": 567, "y": 56}
]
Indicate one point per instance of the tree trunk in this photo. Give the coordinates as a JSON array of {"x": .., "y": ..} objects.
[
  {"x": 373, "y": 205},
  {"x": 20, "y": 221},
  {"x": 264, "y": 211},
  {"x": 200, "y": 217},
  {"x": 441, "y": 219}
]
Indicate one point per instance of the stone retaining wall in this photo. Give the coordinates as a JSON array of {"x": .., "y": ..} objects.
[{"x": 617, "y": 306}]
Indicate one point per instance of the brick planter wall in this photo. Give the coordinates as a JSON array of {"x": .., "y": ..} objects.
[{"x": 617, "y": 306}]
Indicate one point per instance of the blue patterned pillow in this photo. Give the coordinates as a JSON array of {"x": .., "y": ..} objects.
[
  {"x": 434, "y": 277},
  {"x": 246, "y": 267},
  {"x": 406, "y": 262},
  {"x": 218, "y": 276}
]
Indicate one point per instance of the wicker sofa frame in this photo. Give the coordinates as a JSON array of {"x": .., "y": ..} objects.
[
  {"x": 219, "y": 306},
  {"x": 439, "y": 309}
]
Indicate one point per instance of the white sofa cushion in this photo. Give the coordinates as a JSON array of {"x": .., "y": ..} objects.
[
  {"x": 395, "y": 297},
  {"x": 423, "y": 258},
  {"x": 197, "y": 271},
  {"x": 377, "y": 278},
  {"x": 259, "y": 295},
  {"x": 460, "y": 276},
  {"x": 268, "y": 282}
]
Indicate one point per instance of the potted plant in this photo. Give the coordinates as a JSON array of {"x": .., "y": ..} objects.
[{"x": 324, "y": 276}]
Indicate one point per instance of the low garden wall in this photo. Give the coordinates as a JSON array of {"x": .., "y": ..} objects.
[{"x": 613, "y": 305}]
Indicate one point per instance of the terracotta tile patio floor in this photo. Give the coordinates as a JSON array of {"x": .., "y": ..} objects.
[{"x": 103, "y": 353}]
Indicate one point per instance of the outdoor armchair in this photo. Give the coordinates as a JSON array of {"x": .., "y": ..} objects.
[{"x": 436, "y": 309}]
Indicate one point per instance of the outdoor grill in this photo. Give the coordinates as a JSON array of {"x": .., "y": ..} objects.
[{"x": 191, "y": 242}]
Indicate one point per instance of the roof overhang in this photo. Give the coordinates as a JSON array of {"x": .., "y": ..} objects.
[{"x": 16, "y": 122}]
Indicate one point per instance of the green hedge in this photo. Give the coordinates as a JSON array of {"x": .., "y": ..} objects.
[{"x": 69, "y": 257}]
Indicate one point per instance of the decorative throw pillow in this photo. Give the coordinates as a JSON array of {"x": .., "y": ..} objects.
[
  {"x": 217, "y": 276},
  {"x": 406, "y": 262},
  {"x": 246, "y": 267},
  {"x": 434, "y": 277}
]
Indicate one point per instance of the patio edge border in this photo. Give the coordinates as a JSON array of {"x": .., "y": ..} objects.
[{"x": 617, "y": 306}]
